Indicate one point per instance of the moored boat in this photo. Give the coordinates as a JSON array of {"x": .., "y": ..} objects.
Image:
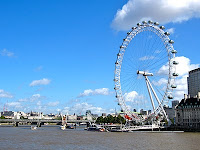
[
  {"x": 95, "y": 127},
  {"x": 63, "y": 127},
  {"x": 140, "y": 128},
  {"x": 33, "y": 127}
]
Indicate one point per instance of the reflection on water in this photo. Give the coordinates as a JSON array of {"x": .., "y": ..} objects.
[{"x": 52, "y": 137}]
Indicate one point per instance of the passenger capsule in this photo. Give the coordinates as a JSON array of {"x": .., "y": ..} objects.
[
  {"x": 162, "y": 27},
  {"x": 116, "y": 63},
  {"x": 156, "y": 23},
  {"x": 118, "y": 54},
  {"x": 134, "y": 28},
  {"x": 122, "y": 46},
  {"x": 125, "y": 39},
  {"x": 115, "y": 80},
  {"x": 171, "y": 41},
  {"x": 144, "y": 22},
  {"x": 173, "y": 86},
  {"x": 170, "y": 97},
  {"x": 167, "y": 33},
  {"x": 175, "y": 74},
  {"x": 173, "y": 51},
  {"x": 122, "y": 110},
  {"x": 150, "y": 22},
  {"x": 175, "y": 62},
  {"x": 115, "y": 88},
  {"x": 138, "y": 24},
  {"x": 128, "y": 33}
]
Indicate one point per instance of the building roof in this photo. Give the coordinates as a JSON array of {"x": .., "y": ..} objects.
[
  {"x": 8, "y": 113},
  {"x": 195, "y": 70},
  {"x": 189, "y": 101}
]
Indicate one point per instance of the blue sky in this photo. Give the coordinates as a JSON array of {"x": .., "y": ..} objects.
[{"x": 53, "y": 52}]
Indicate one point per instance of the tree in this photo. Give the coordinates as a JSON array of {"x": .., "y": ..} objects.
[
  {"x": 22, "y": 117},
  {"x": 58, "y": 118},
  {"x": 120, "y": 119},
  {"x": 100, "y": 119},
  {"x": 110, "y": 119},
  {"x": 2, "y": 117}
]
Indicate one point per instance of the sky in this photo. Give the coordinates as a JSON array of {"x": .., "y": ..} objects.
[{"x": 59, "y": 56}]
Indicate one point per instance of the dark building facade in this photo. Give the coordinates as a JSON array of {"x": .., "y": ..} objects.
[{"x": 193, "y": 82}]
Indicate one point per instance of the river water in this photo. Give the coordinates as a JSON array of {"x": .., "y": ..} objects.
[{"x": 52, "y": 137}]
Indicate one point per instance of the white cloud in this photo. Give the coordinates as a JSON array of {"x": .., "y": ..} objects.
[
  {"x": 129, "y": 97},
  {"x": 89, "y": 92},
  {"x": 36, "y": 95},
  {"x": 43, "y": 81},
  {"x": 4, "y": 94},
  {"x": 171, "y": 30},
  {"x": 164, "y": 70},
  {"x": 39, "y": 104},
  {"x": 39, "y": 68},
  {"x": 15, "y": 105},
  {"x": 184, "y": 65},
  {"x": 33, "y": 98},
  {"x": 182, "y": 69},
  {"x": 133, "y": 97},
  {"x": 157, "y": 51},
  {"x": 162, "y": 81},
  {"x": 5, "y": 52},
  {"x": 23, "y": 100},
  {"x": 66, "y": 110},
  {"x": 163, "y": 11},
  {"x": 147, "y": 58},
  {"x": 58, "y": 110},
  {"x": 52, "y": 104},
  {"x": 82, "y": 107}
]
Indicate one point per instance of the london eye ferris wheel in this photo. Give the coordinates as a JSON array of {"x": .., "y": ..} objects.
[{"x": 145, "y": 70}]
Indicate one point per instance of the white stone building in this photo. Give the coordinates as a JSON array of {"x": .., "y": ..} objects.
[{"x": 188, "y": 113}]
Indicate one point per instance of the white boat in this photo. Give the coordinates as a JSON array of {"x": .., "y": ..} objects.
[
  {"x": 33, "y": 127},
  {"x": 140, "y": 128},
  {"x": 135, "y": 128},
  {"x": 95, "y": 127},
  {"x": 83, "y": 123},
  {"x": 63, "y": 127}
]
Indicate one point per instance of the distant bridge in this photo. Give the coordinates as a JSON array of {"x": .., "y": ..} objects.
[{"x": 39, "y": 122}]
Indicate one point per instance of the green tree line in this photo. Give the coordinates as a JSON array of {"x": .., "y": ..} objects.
[
  {"x": 110, "y": 119},
  {"x": 2, "y": 117}
]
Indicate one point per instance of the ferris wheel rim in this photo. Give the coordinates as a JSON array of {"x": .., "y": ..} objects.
[{"x": 131, "y": 35}]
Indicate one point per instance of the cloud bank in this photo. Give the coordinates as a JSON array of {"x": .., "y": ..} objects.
[
  {"x": 4, "y": 94},
  {"x": 89, "y": 92},
  {"x": 15, "y": 105},
  {"x": 163, "y": 11},
  {"x": 80, "y": 108},
  {"x": 7, "y": 53},
  {"x": 133, "y": 96},
  {"x": 43, "y": 81},
  {"x": 182, "y": 69},
  {"x": 53, "y": 104},
  {"x": 34, "y": 97}
]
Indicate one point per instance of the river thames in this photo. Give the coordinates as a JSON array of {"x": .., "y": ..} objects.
[{"x": 52, "y": 137}]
